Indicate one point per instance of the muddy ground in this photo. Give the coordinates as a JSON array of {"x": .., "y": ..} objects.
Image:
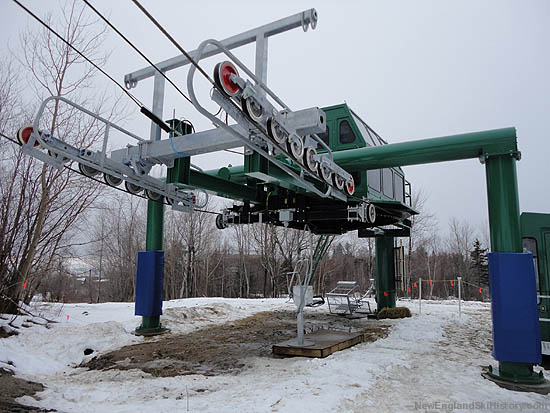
[
  {"x": 12, "y": 388},
  {"x": 228, "y": 348}
]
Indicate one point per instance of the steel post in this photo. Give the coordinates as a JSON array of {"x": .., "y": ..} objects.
[
  {"x": 503, "y": 200},
  {"x": 385, "y": 273},
  {"x": 504, "y": 227},
  {"x": 459, "y": 296},
  {"x": 155, "y": 210},
  {"x": 420, "y": 296},
  {"x": 260, "y": 69}
]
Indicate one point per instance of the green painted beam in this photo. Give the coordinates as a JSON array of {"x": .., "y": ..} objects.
[
  {"x": 442, "y": 149},
  {"x": 238, "y": 174},
  {"x": 226, "y": 172},
  {"x": 222, "y": 187}
]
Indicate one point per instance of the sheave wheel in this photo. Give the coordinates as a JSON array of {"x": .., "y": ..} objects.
[
  {"x": 325, "y": 173},
  {"x": 253, "y": 109},
  {"x": 222, "y": 78},
  {"x": 112, "y": 180},
  {"x": 133, "y": 188},
  {"x": 24, "y": 134},
  {"x": 87, "y": 170},
  {"x": 153, "y": 196},
  {"x": 309, "y": 162},
  {"x": 295, "y": 146},
  {"x": 350, "y": 186},
  {"x": 275, "y": 132},
  {"x": 338, "y": 182}
]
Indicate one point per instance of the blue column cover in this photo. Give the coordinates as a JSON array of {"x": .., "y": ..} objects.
[
  {"x": 516, "y": 328},
  {"x": 149, "y": 282}
]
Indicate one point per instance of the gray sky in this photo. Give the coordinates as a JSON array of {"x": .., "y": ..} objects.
[{"x": 411, "y": 70}]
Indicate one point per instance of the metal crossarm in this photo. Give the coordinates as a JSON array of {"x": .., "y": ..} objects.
[{"x": 259, "y": 35}]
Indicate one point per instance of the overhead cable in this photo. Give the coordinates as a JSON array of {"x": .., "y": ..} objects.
[{"x": 38, "y": 19}]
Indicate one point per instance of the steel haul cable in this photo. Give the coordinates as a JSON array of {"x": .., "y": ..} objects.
[
  {"x": 157, "y": 24},
  {"x": 191, "y": 60},
  {"x": 133, "y": 46},
  {"x": 137, "y": 50},
  {"x": 174, "y": 42},
  {"x": 38, "y": 19},
  {"x": 130, "y": 95}
]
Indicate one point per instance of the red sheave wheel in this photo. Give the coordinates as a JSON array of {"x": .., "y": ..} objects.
[
  {"x": 350, "y": 187},
  {"x": 222, "y": 78},
  {"x": 24, "y": 134}
]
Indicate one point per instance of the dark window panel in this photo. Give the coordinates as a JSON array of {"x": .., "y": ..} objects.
[
  {"x": 346, "y": 133},
  {"x": 399, "y": 188},
  {"x": 373, "y": 179},
  {"x": 387, "y": 182}
]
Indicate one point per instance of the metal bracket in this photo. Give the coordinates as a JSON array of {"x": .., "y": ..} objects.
[
  {"x": 302, "y": 19},
  {"x": 514, "y": 154}
]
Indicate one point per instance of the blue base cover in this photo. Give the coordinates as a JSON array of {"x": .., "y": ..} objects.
[
  {"x": 516, "y": 328},
  {"x": 149, "y": 282}
]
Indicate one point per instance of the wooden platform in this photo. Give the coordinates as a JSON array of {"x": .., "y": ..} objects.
[{"x": 326, "y": 343}]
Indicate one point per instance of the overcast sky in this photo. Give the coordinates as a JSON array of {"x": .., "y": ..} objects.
[{"x": 411, "y": 69}]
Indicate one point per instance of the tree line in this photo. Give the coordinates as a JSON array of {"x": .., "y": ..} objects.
[{"x": 255, "y": 260}]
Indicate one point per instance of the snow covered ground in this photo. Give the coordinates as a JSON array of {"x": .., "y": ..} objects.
[{"x": 430, "y": 362}]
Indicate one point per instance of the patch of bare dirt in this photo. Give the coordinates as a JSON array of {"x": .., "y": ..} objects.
[
  {"x": 226, "y": 348},
  {"x": 5, "y": 333},
  {"x": 12, "y": 388}
]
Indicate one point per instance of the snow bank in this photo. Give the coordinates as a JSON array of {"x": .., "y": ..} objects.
[{"x": 430, "y": 358}]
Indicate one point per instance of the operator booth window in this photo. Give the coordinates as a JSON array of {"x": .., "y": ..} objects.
[
  {"x": 324, "y": 136},
  {"x": 387, "y": 182},
  {"x": 399, "y": 187},
  {"x": 363, "y": 130},
  {"x": 530, "y": 245},
  {"x": 346, "y": 133},
  {"x": 373, "y": 179}
]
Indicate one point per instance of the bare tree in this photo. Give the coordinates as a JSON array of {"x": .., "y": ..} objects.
[
  {"x": 46, "y": 204},
  {"x": 461, "y": 236},
  {"x": 241, "y": 236},
  {"x": 190, "y": 247},
  {"x": 266, "y": 247},
  {"x": 423, "y": 225},
  {"x": 124, "y": 216}
]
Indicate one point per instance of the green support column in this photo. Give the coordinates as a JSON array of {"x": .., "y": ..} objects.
[
  {"x": 504, "y": 224},
  {"x": 385, "y": 273},
  {"x": 179, "y": 173},
  {"x": 155, "y": 226},
  {"x": 503, "y": 200},
  {"x": 150, "y": 325}
]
